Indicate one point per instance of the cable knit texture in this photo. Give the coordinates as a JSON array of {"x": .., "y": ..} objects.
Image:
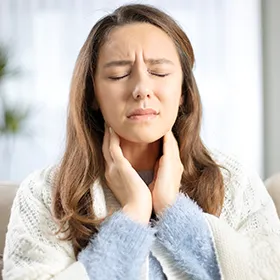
[{"x": 246, "y": 236}]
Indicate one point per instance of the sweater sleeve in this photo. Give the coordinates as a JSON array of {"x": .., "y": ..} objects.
[
  {"x": 183, "y": 236},
  {"x": 245, "y": 239},
  {"x": 119, "y": 250},
  {"x": 33, "y": 250},
  {"x": 251, "y": 250}
]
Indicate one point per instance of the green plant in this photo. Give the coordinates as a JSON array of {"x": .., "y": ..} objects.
[
  {"x": 3, "y": 62},
  {"x": 14, "y": 120},
  {"x": 12, "y": 117}
]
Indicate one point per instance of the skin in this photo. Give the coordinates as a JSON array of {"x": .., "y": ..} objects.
[{"x": 139, "y": 67}]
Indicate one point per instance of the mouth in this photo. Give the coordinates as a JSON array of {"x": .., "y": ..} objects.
[{"x": 142, "y": 114}]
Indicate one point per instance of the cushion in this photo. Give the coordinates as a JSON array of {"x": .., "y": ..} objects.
[
  {"x": 1, "y": 265},
  {"x": 273, "y": 187},
  {"x": 7, "y": 191}
]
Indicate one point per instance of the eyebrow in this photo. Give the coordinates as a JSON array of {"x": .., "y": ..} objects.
[{"x": 150, "y": 61}]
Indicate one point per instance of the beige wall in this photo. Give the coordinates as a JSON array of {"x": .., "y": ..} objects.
[{"x": 271, "y": 84}]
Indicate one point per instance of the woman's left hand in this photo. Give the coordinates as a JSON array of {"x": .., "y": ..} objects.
[{"x": 168, "y": 172}]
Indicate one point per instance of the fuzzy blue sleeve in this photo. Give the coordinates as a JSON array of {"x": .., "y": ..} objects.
[
  {"x": 183, "y": 231},
  {"x": 119, "y": 250},
  {"x": 155, "y": 269}
]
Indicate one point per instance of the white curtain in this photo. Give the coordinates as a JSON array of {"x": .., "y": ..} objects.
[{"x": 44, "y": 38}]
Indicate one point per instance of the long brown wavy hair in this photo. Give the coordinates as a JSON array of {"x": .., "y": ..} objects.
[{"x": 83, "y": 160}]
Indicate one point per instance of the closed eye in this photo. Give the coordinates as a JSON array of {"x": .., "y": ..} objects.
[
  {"x": 118, "y": 77},
  {"x": 159, "y": 75},
  {"x": 121, "y": 77}
]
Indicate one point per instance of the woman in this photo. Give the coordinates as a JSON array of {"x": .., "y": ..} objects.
[{"x": 137, "y": 195}]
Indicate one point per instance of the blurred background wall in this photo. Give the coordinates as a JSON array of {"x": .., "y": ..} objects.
[
  {"x": 43, "y": 38},
  {"x": 271, "y": 89}
]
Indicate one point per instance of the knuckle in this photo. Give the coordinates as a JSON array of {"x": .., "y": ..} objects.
[
  {"x": 111, "y": 150},
  {"x": 107, "y": 175},
  {"x": 109, "y": 172}
]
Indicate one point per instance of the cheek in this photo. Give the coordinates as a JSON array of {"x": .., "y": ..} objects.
[
  {"x": 170, "y": 102},
  {"x": 171, "y": 96},
  {"x": 110, "y": 103},
  {"x": 104, "y": 97}
]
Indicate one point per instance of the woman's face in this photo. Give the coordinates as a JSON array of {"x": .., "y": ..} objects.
[{"x": 138, "y": 82}]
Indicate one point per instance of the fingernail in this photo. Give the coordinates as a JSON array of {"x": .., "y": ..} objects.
[{"x": 110, "y": 130}]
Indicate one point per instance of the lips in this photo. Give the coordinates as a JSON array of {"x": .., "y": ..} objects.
[{"x": 142, "y": 112}]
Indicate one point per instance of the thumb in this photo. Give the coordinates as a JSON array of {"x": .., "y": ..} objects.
[
  {"x": 156, "y": 169},
  {"x": 114, "y": 147},
  {"x": 152, "y": 184}
]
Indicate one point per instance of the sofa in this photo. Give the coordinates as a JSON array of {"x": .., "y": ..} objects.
[
  {"x": 273, "y": 188},
  {"x": 8, "y": 191}
]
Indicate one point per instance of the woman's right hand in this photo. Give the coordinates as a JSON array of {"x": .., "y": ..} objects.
[{"x": 123, "y": 180}]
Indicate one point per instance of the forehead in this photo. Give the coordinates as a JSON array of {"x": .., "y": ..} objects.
[{"x": 138, "y": 38}]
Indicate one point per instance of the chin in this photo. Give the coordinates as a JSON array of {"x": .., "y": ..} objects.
[{"x": 142, "y": 137}]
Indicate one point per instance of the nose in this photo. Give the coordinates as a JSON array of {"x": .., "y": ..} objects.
[
  {"x": 141, "y": 92},
  {"x": 141, "y": 84}
]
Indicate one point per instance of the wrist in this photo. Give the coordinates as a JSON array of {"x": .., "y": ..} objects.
[
  {"x": 138, "y": 214},
  {"x": 163, "y": 204}
]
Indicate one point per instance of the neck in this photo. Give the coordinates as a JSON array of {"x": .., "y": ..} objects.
[{"x": 141, "y": 156}]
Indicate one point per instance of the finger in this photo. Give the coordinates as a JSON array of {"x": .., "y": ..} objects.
[
  {"x": 167, "y": 144},
  {"x": 156, "y": 169},
  {"x": 171, "y": 146},
  {"x": 115, "y": 148},
  {"x": 175, "y": 144},
  {"x": 105, "y": 146}
]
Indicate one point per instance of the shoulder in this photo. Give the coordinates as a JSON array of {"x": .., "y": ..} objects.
[
  {"x": 245, "y": 192},
  {"x": 37, "y": 186},
  {"x": 238, "y": 177},
  {"x": 45, "y": 175},
  {"x": 31, "y": 213},
  {"x": 235, "y": 173},
  {"x": 32, "y": 229}
]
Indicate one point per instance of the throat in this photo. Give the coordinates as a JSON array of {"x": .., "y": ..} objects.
[{"x": 142, "y": 156}]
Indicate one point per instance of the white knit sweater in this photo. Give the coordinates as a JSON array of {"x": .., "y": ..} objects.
[{"x": 246, "y": 236}]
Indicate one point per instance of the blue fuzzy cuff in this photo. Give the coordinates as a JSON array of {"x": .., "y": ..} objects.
[
  {"x": 119, "y": 250},
  {"x": 183, "y": 231}
]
